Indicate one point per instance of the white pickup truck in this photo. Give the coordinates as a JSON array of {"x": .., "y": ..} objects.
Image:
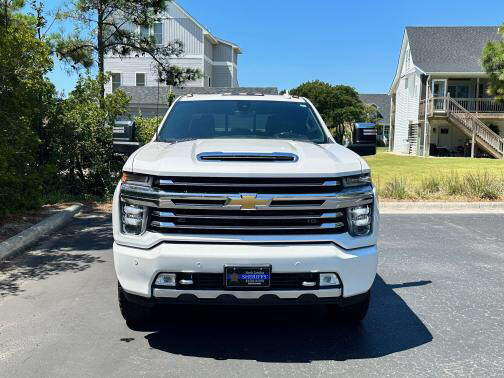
[{"x": 245, "y": 199}]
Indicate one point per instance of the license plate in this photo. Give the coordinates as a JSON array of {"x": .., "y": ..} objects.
[{"x": 247, "y": 276}]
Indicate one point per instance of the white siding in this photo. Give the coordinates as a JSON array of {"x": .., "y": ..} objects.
[
  {"x": 222, "y": 76},
  {"x": 223, "y": 53},
  {"x": 186, "y": 31},
  {"x": 407, "y": 102},
  {"x": 128, "y": 67},
  {"x": 208, "y": 49},
  {"x": 199, "y": 53}
]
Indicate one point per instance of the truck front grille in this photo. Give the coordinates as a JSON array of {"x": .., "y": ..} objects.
[
  {"x": 247, "y": 222},
  {"x": 248, "y": 206},
  {"x": 235, "y": 185}
]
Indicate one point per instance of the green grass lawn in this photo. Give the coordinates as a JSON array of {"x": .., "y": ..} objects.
[{"x": 417, "y": 173}]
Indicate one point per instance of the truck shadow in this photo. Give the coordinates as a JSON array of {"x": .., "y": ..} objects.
[{"x": 291, "y": 333}]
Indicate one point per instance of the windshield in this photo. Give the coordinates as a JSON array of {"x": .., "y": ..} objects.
[{"x": 242, "y": 119}]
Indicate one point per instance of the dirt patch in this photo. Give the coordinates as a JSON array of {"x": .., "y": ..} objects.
[{"x": 14, "y": 224}]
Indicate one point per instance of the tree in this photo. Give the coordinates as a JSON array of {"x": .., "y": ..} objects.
[
  {"x": 339, "y": 105},
  {"x": 24, "y": 62},
  {"x": 493, "y": 62},
  {"x": 109, "y": 27},
  {"x": 81, "y": 138}
]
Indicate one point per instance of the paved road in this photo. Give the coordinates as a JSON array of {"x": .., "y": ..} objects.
[{"x": 437, "y": 310}]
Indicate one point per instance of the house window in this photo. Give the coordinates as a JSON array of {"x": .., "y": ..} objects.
[
  {"x": 116, "y": 81},
  {"x": 406, "y": 82},
  {"x": 459, "y": 91},
  {"x": 158, "y": 33},
  {"x": 209, "y": 81},
  {"x": 140, "y": 79},
  {"x": 144, "y": 32},
  {"x": 444, "y": 131}
]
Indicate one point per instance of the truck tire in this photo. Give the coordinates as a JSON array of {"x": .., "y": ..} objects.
[
  {"x": 352, "y": 314},
  {"x": 135, "y": 315}
]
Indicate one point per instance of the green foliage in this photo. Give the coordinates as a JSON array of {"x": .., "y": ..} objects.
[
  {"x": 494, "y": 128},
  {"x": 82, "y": 138},
  {"x": 339, "y": 105},
  {"x": 103, "y": 28},
  {"x": 493, "y": 62},
  {"x": 25, "y": 97},
  {"x": 145, "y": 129}
]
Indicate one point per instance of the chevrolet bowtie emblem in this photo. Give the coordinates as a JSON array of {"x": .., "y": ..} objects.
[{"x": 247, "y": 202}]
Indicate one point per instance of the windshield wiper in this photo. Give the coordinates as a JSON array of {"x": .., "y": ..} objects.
[{"x": 178, "y": 140}]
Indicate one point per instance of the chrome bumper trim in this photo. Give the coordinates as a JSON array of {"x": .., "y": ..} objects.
[{"x": 213, "y": 294}]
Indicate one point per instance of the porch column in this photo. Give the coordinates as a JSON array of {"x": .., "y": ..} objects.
[
  {"x": 477, "y": 95},
  {"x": 426, "y": 121},
  {"x": 473, "y": 140}
]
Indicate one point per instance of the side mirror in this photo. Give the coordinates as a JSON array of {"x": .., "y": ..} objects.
[
  {"x": 124, "y": 137},
  {"x": 363, "y": 149},
  {"x": 125, "y": 148}
]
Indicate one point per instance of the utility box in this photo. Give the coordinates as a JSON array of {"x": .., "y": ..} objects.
[
  {"x": 123, "y": 137},
  {"x": 124, "y": 131},
  {"x": 364, "y": 133},
  {"x": 363, "y": 139}
]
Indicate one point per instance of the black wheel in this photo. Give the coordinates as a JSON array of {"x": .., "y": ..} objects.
[
  {"x": 135, "y": 315},
  {"x": 352, "y": 314}
]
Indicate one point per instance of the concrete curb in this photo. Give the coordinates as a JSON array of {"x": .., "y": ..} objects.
[
  {"x": 441, "y": 207},
  {"x": 29, "y": 236}
]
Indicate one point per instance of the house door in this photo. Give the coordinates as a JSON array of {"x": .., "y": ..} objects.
[{"x": 439, "y": 94}]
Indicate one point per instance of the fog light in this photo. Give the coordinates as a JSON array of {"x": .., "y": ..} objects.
[
  {"x": 360, "y": 220},
  {"x": 328, "y": 279},
  {"x": 166, "y": 279}
]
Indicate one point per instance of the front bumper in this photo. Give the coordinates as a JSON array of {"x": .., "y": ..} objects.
[{"x": 137, "y": 269}]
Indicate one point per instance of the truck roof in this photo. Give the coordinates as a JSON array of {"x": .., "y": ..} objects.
[{"x": 245, "y": 96}]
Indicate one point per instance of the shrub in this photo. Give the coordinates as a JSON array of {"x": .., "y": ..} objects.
[
  {"x": 484, "y": 185},
  {"x": 145, "y": 128},
  {"x": 428, "y": 186},
  {"x": 396, "y": 189}
]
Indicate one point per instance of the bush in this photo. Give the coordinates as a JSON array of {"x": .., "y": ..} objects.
[
  {"x": 81, "y": 139},
  {"x": 145, "y": 128},
  {"x": 395, "y": 189}
]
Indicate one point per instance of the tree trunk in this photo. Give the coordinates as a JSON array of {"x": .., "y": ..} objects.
[{"x": 101, "y": 53}]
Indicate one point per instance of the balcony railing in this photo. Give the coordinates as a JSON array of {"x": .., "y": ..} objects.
[{"x": 473, "y": 105}]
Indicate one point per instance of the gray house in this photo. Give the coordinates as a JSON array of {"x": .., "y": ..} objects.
[
  {"x": 149, "y": 102},
  {"x": 439, "y": 101},
  {"x": 382, "y": 103},
  {"x": 216, "y": 58}
]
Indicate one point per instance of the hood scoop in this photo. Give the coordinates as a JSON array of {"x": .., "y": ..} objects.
[{"x": 248, "y": 156}]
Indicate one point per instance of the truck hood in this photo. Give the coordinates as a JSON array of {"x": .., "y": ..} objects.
[{"x": 181, "y": 159}]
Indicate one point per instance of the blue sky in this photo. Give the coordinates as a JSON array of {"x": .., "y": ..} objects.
[{"x": 287, "y": 42}]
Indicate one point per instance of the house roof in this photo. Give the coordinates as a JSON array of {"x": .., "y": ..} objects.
[
  {"x": 450, "y": 49},
  {"x": 149, "y": 95},
  {"x": 381, "y": 101}
]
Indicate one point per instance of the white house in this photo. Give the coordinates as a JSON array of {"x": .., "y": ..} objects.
[
  {"x": 382, "y": 103},
  {"x": 439, "y": 103},
  {"x": 216, "y": 58}
]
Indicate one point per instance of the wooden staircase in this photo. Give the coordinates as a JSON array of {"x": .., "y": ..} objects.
[{"x": 468, "y": 123}]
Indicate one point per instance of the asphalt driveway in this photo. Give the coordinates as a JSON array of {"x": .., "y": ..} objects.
[{"x": 437, "y": 309}]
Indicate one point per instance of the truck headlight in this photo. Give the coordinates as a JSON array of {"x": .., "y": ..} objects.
[
  {"x": 357, "y": 180},
  {"x": 360, "y": 220},
  {"x": 134, "y": 219}
]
